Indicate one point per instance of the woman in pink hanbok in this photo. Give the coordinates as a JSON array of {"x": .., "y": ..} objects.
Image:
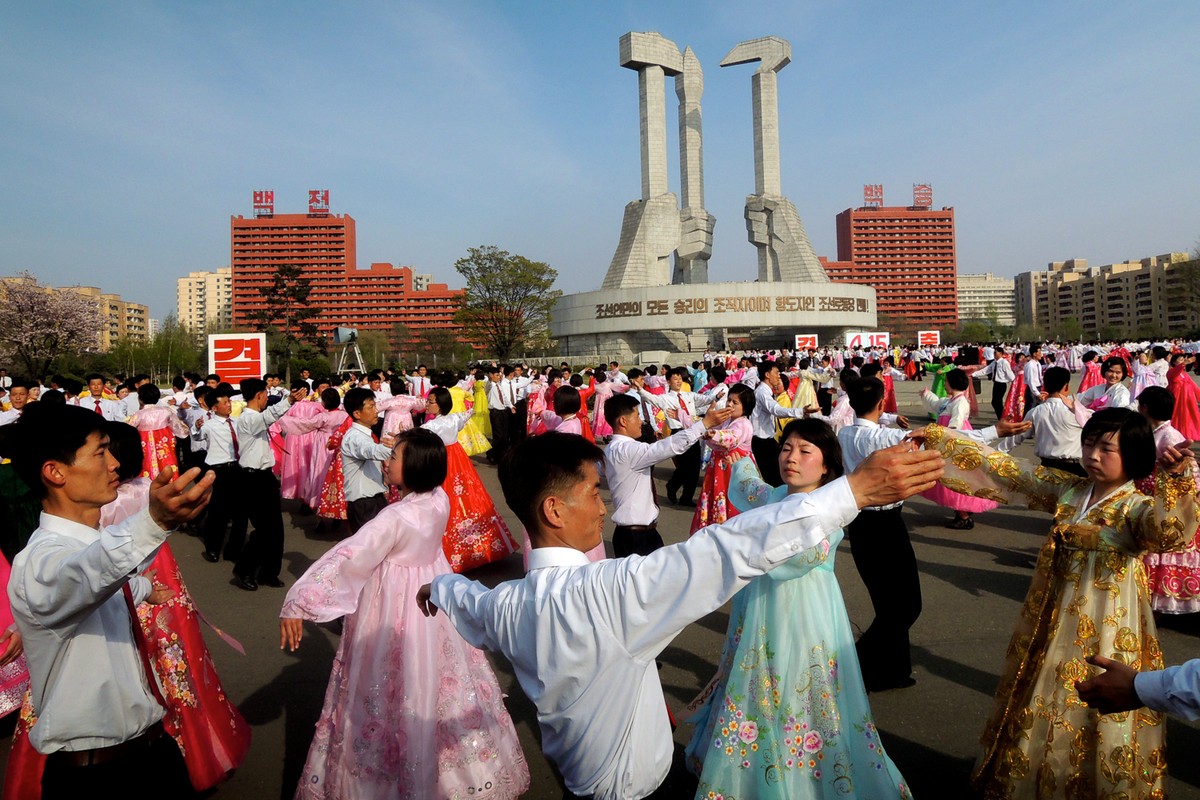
[
  {"x": 604, "y": 390},
  {"x": 309, "y": 437},
  {"x": 300, "y": 429},
  {"x": 411, "y": 710},
  {"x": 535, "y": 406},
  {"x": 728, "y": 443},
  {"x": 158, "y": 427},
  {"x": 1143, "y": 376},
  {"x": 953, "y": 412},
  {"x": 398, "y": 409}
]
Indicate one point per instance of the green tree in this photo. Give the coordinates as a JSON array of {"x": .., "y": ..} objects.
[
  {"x": 1071, "y": 330},
  {"x": 375, "y": 347},
  {"x": 975, "y": 332},
  {"x": 287, "y": 314},
  {"x": 992, "y": 315},
  {"x": 1028, "y": 332},
  {"x": 508, "y": 299}
]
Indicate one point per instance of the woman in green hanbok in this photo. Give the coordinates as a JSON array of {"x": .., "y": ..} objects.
[{"x": 786, "y": 715}]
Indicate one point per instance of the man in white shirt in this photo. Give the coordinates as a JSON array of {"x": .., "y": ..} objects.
[
  {"x": 1033, "y": 377},
  {"x": 1174, "y": 690},
  {"x": 18, "y": 396},
  {"x": 520, "y": 383},
  {"x": 217, "y": 432},
  {"x": 682, "y": 409},
  {"x": 880, "y": 546},
  {"x": 1056, "y": 431},
  {"x": 5, "y": 381},
  {"x": 419, "y": 383},
  {"x": 764, "y": 445},
  {"x": 583, "y": 636},
  {"x": 362, "y": 460},
  {"x": 1000, "y": 371},
  {"x": 73, "y": 592},
  {"x": 629, "y": 465},
  {"x": 501, "y": 410},
  {"x": 262, "y": 557},
  {"x": 96, "y": 401}
]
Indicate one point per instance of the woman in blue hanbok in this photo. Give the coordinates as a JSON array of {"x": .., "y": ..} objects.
[{"x": 787, "y": 715}]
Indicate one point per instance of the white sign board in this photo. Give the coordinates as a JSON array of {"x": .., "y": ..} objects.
[{"x": 868, "y": 339}]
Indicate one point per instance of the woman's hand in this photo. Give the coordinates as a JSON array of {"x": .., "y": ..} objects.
[
  {"x": 13, "y": 647},
  {"x": 291, "y": 631}
]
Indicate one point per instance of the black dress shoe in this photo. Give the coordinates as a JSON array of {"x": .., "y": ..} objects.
[
  {"x": 211, "y": 557},
  {"x": 274, "y": 583},
  {"x": 687, "y": 503},
  {"x": 249, "y": 584},
  {"x": 673, "y": 496}
]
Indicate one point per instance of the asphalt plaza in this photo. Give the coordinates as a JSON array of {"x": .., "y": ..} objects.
[{"x": 973, "y": 583}]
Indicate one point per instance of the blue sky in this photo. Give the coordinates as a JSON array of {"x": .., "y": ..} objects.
[{"x": 132, "y": 131}]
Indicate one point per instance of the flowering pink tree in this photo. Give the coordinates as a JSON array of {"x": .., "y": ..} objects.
[{"x": 39, "y": 323}]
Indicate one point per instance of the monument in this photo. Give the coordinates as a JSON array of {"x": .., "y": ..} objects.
[{"x": 645, "y": 302}]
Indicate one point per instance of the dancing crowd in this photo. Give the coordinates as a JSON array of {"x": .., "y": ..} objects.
[{"x": 103, "y": 659}]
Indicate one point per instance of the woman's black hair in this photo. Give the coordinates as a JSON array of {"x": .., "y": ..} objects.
[
  {"x": 441, "y": 396},
  {"x": 1157, "y": 403},
  {"x": 957, "y": 380},
  {"x": 1135, "y": 438},
  {"x": 566, "y": 401},
  {"x": 745, "y": 396},
  {"x": 819, "y": 434},
  {"x": 1120, "y": 362},
  {"x": 424, "y": 459},
  {"x": 125, "y": 444},
  {"x": 330, "y": 399},
  {"x": 149, "y": 394}
]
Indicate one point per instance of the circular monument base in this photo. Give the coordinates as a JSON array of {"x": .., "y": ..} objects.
[{"x": 687, "y": 318}]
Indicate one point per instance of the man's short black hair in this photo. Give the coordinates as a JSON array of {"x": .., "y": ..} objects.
[
  {"x": 618, "y": 406},
  {"x": 252, "y": 387},
  {"x": 1135, "y": 438},
  {"x": 540, "y": 466},
  {"x": 50, "y": 432},
  {"x": 355, "y": 399},
  {"x": 1157, "y": 403},
  {"x": 1055, "y": 379},
  {"x": 634, "y": 374},
  {"x": 93, "y": 376},
  {"x": 765, "y": 368},
  {"x": 424, "y": 460},
  {"x": 864, "y": 394}
]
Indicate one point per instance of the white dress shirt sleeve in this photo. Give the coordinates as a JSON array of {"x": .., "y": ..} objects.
[
  {"x": 62, "y": 585},
  {"x": 673, "y": 445}
]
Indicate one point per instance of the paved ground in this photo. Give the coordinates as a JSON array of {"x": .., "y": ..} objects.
[{"x": 973, "y": 583}]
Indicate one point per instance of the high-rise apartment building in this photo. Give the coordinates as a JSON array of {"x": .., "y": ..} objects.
[
  {"x": 122, "y": 319},
  {"x": 323, "y": 245},
  {"x": 987, "y": 297},
  {"x": 204, "y": 298},
  {"x": 907, "y": 253},
  {"x": 1150, "y": 297}
]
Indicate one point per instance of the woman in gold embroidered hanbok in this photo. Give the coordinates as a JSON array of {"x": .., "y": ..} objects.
[{"x": 1088, "y": 596}]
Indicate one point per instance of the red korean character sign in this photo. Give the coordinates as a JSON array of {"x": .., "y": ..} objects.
[
  {"x": 806, "y": 341},
  {"x": 264, "y": 203},
  {"x": 237, "y": 356},
  {"x": 318, "y": 201},
  {"x": 873, "y": 195},
  {"x": 922, "y": 195},
  {"x": 929, "y": 339},
  {"x": 869, "y": 339}
]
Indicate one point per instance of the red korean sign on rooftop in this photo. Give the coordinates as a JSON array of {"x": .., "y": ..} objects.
[{"x": 318, "y": 201}]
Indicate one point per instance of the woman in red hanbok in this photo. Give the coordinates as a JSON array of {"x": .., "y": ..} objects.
[
  {"x": 1186, "y": 418},
  {"x": 212, "y": 735},
  {"x": 1091, "y": 372},
  {"x": 1014, "y": 405},
  {"x": 158, "y": 426},
  {"x": 332, "y": 505},
  {"x": 476, "y": 534},
  {"x": 729, "y": 443}
]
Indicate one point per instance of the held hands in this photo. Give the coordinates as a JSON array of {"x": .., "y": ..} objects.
[
  {"x": 173, "y": 503},
  {"x": 1006, "y": 428},
  {"x": 1178, "y": 459},
  {"x": 13, "y": 647},
  {"x": 159, "y": 593},
  {"x": 715, "y": 416},
  {"x": 296, "y": 395},
  {"x": 424, "y": 602},
  {"x": 895, "y": 473},
  {"x": 902, "y": 422},
  {"x": 1112, "y": 691},
  {"x": 291, "y": 631}
]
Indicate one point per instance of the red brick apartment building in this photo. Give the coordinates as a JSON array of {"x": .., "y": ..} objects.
[
  {"x": 907, "y": 253},
  {"x": 324, "y": 246}
]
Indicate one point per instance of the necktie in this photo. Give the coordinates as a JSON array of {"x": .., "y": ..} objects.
[
  {"x": 139, "y": 640},
  {"x": 685, "y": 416},
  {"x": 233, "y": 433},
  {"x": 98, "y": 411}
]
